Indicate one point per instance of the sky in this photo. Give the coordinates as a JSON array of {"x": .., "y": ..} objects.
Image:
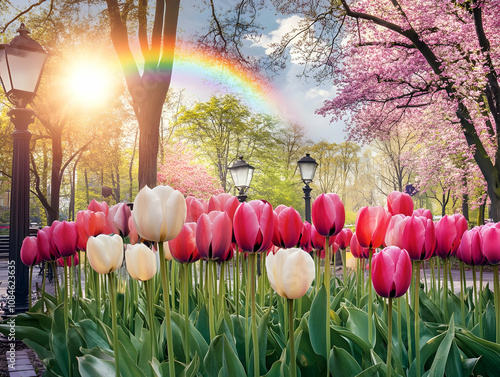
[{"x": 294, "y": 98}]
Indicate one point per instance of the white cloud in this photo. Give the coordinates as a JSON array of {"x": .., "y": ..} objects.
[{"x": 319, "y": 93}]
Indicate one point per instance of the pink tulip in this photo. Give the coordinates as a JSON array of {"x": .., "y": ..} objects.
[
  {"x": 470, "y": 251},
  {"x": 65, "y": 236},
  {"x": 132, "y": 236},
  {"x": 73, "y": 260},
  {"x": 121, "y": 217},
  {"x": 195, "y": 208},
  {"x": 29, "y": 252},
  {"x": 89, "y": 223},
  {"x": 343, "y": 239},
  {"x": 213, "y": 235},
  {"x": 96, "y": 206},
  {"x": 357, "y": 250},
  {"x": 419, "y": 237},
  {"x": 328, "y": 214},
  {"x": 305, "y": 237},
  {"x": 45, "y": 243},
  {"x": 423, "y": 212},
  {"x": 449, "y": 231},
  {"x": 391, "y": 272},
  {"x": 183, "y": 247},
  {"x": 287, "y": 227},
  {"x": 253, "y": 226},
  {"x": 490, "y": 241},
  {"x": 371, "y": 226},
  {"x": 393, "y": 236},
  {"x": 399, "y": 203},
  {"x": 224, "y": 202},
  {"x": 317, "y": 240}
]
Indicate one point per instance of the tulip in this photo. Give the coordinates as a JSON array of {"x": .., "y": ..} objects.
[
  {"x": 45, "y": 244},
  {"x": 132, "y": 236},
  {"x": 423, "y": 212},
  {"x": 371, "y": 226},
  {"x": 357, "y": 250},
  {"x": 140, "y": 261},
  {"x": 213, "y": 235},
  {"x": 393, "y": 236},
  {"x": 418, "y": 237},
  {"x": 159, "y": 213},
  {"x": 391, "y": 272},
  {"x": 449, "y": 231},
  {"x": 65, "y": 236},
  {"x": 183, "y": 247},
  {"x": 119, "y": 221},
  {"x": 399, "y": 203},
  {"x": 490, "y": 241},
  {"x": 317, "y": 240},
  {"x": 195, "y": 208},
  {"x": 89, "y": 223},
  {"x": 29, "y": 252},
  {"x": 391, "y": 278},
  {"x": 71, "y": 261},
  {"x": 328, "y": 214},
  {"x": 305, "y": 237},
  {"x": 470, "y": 249},
  {"x": 253, "y": 226},
  {"x": 290, "y": 272},
  {"x": 287, "y": 227},
  {"x": 105, "y": 253},
  {"x": 96, "y": 206},
  {"x": 224, "y": 202},
  {"x": 344, "y": 238}
]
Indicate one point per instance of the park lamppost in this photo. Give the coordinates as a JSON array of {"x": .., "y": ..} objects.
[
  {"x": 21, "y": 65},
  {"x": 307, "y": 167},
  {"x": 242, "y": 174}
]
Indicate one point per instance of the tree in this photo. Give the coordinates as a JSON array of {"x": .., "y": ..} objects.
[{"x": 395, "y": 59}]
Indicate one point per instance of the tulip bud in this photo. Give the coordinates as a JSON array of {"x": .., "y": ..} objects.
[
  {"x": 287, "y": 227},
  {"x": 105, "y": 253},
  {"x": 371, "y": 226},
  {"x": 65, "y": 236},
  {"x": 290, "y": 272},
  {"x": 213, "y": 235},
  {"x": 29, "y": 252},
  {"x": 391, "y": 272},
  {"x": 140, "y": 261},
  {"x": 328, "y": 214},
  {"x": 399, "y": 203},
  {"x": 183, "y": 247},
  {"x": 253, "y": 226}
]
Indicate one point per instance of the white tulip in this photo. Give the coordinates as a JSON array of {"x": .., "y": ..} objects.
[
  {"x": 141, "y": 261},
  {"x": 105, "y": 253},
  {"x": 290, "y": 272},
  {"x": 159, "y": 213}
]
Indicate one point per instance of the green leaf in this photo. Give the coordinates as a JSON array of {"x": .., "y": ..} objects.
[
  {"x": 128, "y": 366},
  {"x": 221, "y": 357},
  {"x": 343, "y": 364},
  {"x": 91, "y": 366},
  {"x": 370, "y": 371},
  {"x": 439, "y": 364},
  {"x": 317, "y": 322},
  {"x": 454, "y": 366},
  {"x": 357, "y": 323},
  {"x": 488, "y": 352},
  {"x": 429, "y": 311}
]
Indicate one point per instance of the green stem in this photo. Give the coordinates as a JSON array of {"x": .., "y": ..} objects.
[
  {"x": 462, "y": 303},
  {"x": 480, "y": 310},
  {"x": 400, "y": 334},
  {"x": 201, "y": 275},
  {"x": 425, "y": 277},
  {"x": 291, "y": 338},
  {"x": 29, "y": 290},
  {"x": 344, "y": 261},
  {"x": 358, "y": 281},
  {"x": 168, "y": 322},
  {"x": 408, "y": 328},
  {"x": 247, "y": 314},
  {"x": 433, "y": 279},
  {"x": 43, "y": 286},
  {"x": 210, "y": 272},
  {"x": 185, "y": 303},
  {"x": 389, "y": 337},
  {"x": 497, "y": 301},
  {"x": 114, "y": 323},
  {"x": 173, "y": 284},
  {"x": 255, "y": 339},
  {"x": 417, "y": 316},
  {"x": 86, "y": 269},
  {"x": 57, "y": 290},
  {"x": 97, "y": 294},
  {"x": 476, "y": 312},
  {"x": 222, "y": 292},
  {"x": 370, "y": 296},
  {"x": 80, "y": 292},
  {"x": 452, "y": 286},
  {"x": 236, "y": 280},
  {"x": 445, "y": 290},
  {"x": 438, "y": 262},
  {"x": 148, "y": 285}
]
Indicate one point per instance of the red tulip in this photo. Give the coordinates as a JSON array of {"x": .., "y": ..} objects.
[
  {"x": 195, "y": 208},
  {"x": 29, "y": 252},
  {"x": 391, "y": 272},
  {"x": 89, "y": 223},
  {"x": 393, "y": 236},
  {"x": 287, "y": 227},
  {"x": 183, "y": 247},
  {"x": 73, "y": 260},
  {"x": 419, "y": 237},
  {"x": 371, "y": 226},
  {"x": 45, "y": 243},
  {"x": 317, "y": 240},
  {"x": 357, "y": 250},
  {"x": 449, "y": 231},
  {"x": 399, "y": 203},
  {"x": 305, "y": 237},
  {"x": 96, "y": 206},
  {"x": 253, "y": 226},
  {"x": 490, "y": 241},
  {"x": 65, "y": 236},
  {"x": 423, "y": 212},
  {"x": 328, "y": 214},
  {"x": 470, "y": 251},
  {"x": 343, "y": 239},
  {"x": 213, "y": 235}
]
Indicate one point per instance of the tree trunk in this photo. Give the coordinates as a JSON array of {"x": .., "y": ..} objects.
[
  {"x": 494, "y": 212},
  {"x": 55, "y": 181}
]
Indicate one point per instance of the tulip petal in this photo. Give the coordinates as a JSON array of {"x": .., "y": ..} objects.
[
  {"x": 246, "y": 227},
  {"x": 297, "y": 273},
  {"x": 148, "y": 216}
]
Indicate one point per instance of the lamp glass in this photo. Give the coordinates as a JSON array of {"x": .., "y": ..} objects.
[
  {"x": 25, "y": 68},
  {"x": 242, "y": 176},
  {"x": 307, "y": 170}
]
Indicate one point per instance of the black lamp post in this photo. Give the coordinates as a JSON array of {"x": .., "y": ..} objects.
[
  {"x": 307, "y": 167},
  {"x": 242, "y": 174},
  {"x": 21, "y": 66}
]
